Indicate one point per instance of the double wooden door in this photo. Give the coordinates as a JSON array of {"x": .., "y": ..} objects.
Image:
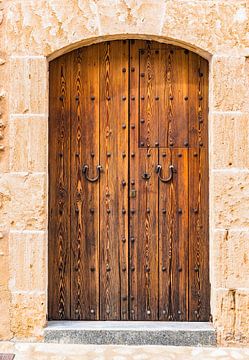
[{"x": 128, "y": 183}]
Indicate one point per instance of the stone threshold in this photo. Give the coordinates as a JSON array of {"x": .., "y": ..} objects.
[{"x": 131, "y": 333}]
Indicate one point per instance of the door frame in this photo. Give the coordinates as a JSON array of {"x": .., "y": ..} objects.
[{"x": 208, "y": 185}]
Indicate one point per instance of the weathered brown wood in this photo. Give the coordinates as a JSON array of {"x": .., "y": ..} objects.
[
  {"x": 59, "y": 189},
  {"x": 198, "y": 101},
  {"x": 143, "y": 217},
  {"x": 173, "y": 236},
  {"x": 134, "y": 256},
  {"x": 126, "y": 247},
  {"x": 199, "y": 297},
  {"x": 177, "y": 94},
  {"x": 113, "y": 194},
  {"x": 85, "y": 194},
  {"x": 148, "y": 105}
]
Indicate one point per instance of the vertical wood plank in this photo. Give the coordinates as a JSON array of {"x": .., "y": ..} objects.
[
  {"x": 148, "y": 109},
  {"x": 143, "y": 209},
  {"x": 198, "y": 101},
  {"x": 84, "y": 194},
  {"x": 199, "y": 289},
  {"x": 59, "y": 189},
  {"x": 163, "y": 93},
  {"x": 134, "y": 73},
  {"x": 173, "y": 236},
  {"x": 113, "y": 194},
  {"x": 177, "y": 99},
  {"x": 144, "y": 230}
]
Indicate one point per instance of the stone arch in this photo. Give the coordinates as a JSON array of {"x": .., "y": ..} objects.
[{"x": 90, "y": 41}]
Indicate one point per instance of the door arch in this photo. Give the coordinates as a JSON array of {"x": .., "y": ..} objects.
[{"x": 129, "y": 245}]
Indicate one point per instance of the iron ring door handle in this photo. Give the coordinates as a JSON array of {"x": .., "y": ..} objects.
[
  {"x": 169, "y": 178},
  {"x": 85, "y": 172}
]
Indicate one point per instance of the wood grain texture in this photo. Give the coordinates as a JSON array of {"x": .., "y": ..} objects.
[
  {"x": 143, "y": 218},
  {"x": 177, "y": 93},
  {"x": 125, "y": 247},
  {"x": 173, "y": 236},
  {"x": 199, "y": 290},
  {"x": 148, "y": 109},
  {"x": 113, "y": 195},
  {"x": 85, "y": 194},
  {"x": 59, "y": 189},
  {"x": 198, "y": 101}
]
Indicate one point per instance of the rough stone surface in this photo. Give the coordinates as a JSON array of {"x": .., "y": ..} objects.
[
  {"x": 230, "y": 259},
  {"x": 23, "y": 201},
  {"x": 230, "y": 136},
  {"x": 33, "y": 31},
  {"x": 131, "y": 333},
  {"x": 219, "y": 25},
  {"x": 28, "y": 261},
  {"x": 233, "y": 306},
  {"x": 29, "y": 82},
  {"x": 5, "y": 332},
  {"x": 231, "y": 199},
  {"x": 131, "y": 16},
  {"x": 28, "y": 151},
  {"x": 230, "y": 79},
  {"x": 28, "y": 315}
]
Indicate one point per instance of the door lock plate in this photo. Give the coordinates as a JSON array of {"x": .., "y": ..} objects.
[{"x": 133, "y": 193}]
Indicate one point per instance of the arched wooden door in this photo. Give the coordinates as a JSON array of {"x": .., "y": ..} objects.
[{"x": 128, "y": 183}]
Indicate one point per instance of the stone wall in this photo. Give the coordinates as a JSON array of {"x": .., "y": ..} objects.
[{"x": 34, "y": 31}]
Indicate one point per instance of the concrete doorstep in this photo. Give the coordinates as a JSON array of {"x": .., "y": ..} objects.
[{"x": 131, "y": 333}]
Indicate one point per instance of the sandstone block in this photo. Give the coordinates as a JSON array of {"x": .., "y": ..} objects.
[
  {"x": 230, "y": 77},
  {"x": 4, "y": 263},
  {"x": 215, "y": 26},
  {"x": 230, "y": 259},
  {"x": 4, "y": 145},
  {"x": 28, "y": 90},
  {"x": 230, "y": 199},
  {"x": 242, "y": 317},
  {"x": 230, "y": 315},
  {"x": 28, "y": 145},
  {"x": 23, "y": 201},
  {"x": 28, "y": 315},
  {"x": 28, "y": 258},
  {"x": 40, "y": 27},
  {"x": 230, "y": 136},
  {"x": 5, "y": 332},
  {"x": 130, "y": 17}
]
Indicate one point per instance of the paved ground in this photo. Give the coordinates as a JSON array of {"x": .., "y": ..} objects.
[{"x": 41, "y": 351}]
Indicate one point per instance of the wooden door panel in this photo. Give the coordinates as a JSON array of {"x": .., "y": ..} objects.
[
  {"x": 114, "y": 182},
  {"x": 163, "y": 94},
  {"x": 173, "y": 236},
  {"x": 148, "y": 93},
  {"x": 59, "y": 189},
  {"x": 177, "y": 89},
  {"x": 85, "y": 194},
  {"x": 126, "y": 246},
  {"x": 198, "y": 101},
  {"x": 199, "y": 307},
  {"x": 144, "y": 237}
]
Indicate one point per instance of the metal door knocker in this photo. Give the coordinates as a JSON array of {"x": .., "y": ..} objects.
[
  {"x": 159, "y": 169},
  {"x": 85, "y": 172}
]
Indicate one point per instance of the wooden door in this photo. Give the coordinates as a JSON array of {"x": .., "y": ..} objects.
[{"x": 128, "y": 183}]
